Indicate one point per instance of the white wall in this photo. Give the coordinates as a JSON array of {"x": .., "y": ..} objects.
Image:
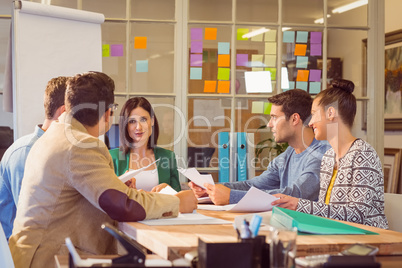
[{"x": 393, "y": 22}]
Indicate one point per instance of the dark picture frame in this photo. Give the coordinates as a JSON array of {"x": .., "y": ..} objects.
[{"x": 392, "y": 166}]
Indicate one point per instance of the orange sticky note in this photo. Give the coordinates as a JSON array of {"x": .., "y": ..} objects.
[
  {"x": 210, "y": 33},
  {"x": 302, "y": 75},
  {"x": 300, "y": 50},
  {"x": 223, "y": 86},
  {"x": 140, "y": 42},
  {"x": 223, "y": 60},
  {"x": 210, "y": 86}
]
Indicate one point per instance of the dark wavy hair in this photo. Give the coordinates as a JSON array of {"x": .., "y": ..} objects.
[
  {"x": 340, "y": 92},
  {"x": 125, "y": 140}
]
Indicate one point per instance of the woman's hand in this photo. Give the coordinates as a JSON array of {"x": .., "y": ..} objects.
[
  {"x": 159, "y": 187},
  {"x": 285, "y": 201},
  {"x": 197, "y": 190}
]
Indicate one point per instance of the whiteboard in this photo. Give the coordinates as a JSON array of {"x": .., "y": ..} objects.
[{"x": 49, "y": 41}]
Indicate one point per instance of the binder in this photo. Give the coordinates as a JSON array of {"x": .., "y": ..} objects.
[
  {"x": 241, "y": 156},
  {"x": 312, "y": 224},
  {"x": 223, "y": 154},
  {"x": 250, "y": 156}
]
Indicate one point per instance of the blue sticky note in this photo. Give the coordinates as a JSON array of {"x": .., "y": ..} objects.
[
  {"x": 301, "y": 62},
  {"x": 291, "y": 84},
  {"x": 301, "y": 37},
  {"x": 142, "y": 66},
  {"x": 288, "y": 37},
  {"x": 315, "y": 87},
  {"x": 195, "y": 73},
  {"x": 302, "y": 85},
  {"x": 223, "y": 47}
]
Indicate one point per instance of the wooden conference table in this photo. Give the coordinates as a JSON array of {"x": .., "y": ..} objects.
[{"x": 173, "y": 241}]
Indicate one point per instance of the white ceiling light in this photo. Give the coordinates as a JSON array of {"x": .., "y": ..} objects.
[
  {"x": 321, "y": 20},
  {"x": 350, "y": 6}
]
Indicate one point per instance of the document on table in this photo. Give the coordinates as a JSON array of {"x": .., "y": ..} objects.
[
  {"x": 199, "y": 179},
  {"x": 131, "y": 173},
  {"x": 255, "y": 200},
  {"x": 186, "y": 219}
]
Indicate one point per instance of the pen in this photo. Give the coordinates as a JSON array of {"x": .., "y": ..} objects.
[{"x": 245, "y": 230}]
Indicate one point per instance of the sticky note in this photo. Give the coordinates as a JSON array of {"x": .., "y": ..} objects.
[
  {"x": 270, "y": 60},
  {"x": 223, "y": 60},
  {"x": 223, "y": 47},
  {"x": 291, "y": 84},
  {"x": 301, "y": 37},
  {"x": 241, "y": 32},
  {"x": 288, "y": 37},
  {"x": 257, "y": 38},
  {"x": 223, "y": 86},
  {"x": 315, "y": 75},
  {"x": 116, "y": 50},
  {"x": 140, "y": 42},
  {"x": 257, "y": 69},
  {"x": 195, "y": 73},
  {"x": 315, "y": 37},
  {"x": 314, "y": 87},
  {"x": 210, "y": 86},
  {"x": 105, "y": 50},
  {"x": 270, "y": 48},
  {"x": 300, "y": 50},
  {"x": 256, "y": 60},
  {"x": 196, "y": 34},
  {"x": 315, "y": 49},
  {"x": 270, "y": 36},
  {"x": 302, "y": 75},
  {"x": 301, "y": 62},
  {"x": 242, "y": 59},
  {"x": 273, "y": 73},
  {"x": 301, "y": 85},
  {"x": 267, "y": 107},
  {"x": 257, "y": 107},
  {"x": 210, "y": 33},
  {"x": 223, "y": 73},
  {"x": 141, "y": 66},
  {"x": 196, "y": 47},
  {"x": 195, "y": 59}
]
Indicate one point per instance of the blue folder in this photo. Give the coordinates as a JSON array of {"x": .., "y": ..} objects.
[
  {"x": 241, "y": 156},
  {"x": 223, "y": 154}
]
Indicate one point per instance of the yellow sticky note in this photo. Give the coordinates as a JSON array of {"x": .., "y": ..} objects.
[
  {"x": 140, "y": 42},
  {"x": 270, "y": 36},
  {"x": 270, "y": 48},
  {"x": 257, "y": 38},
  {"x": 300, "y": 50},
  {"x": 255, "y": 69},
  {"x": 302, "y": 75},
  {"x": 210, "y": 33},
  {"x": 223, "y": 60},
  {"x": 223, "y": 73},
  {"x": 105, "y": 50},
  {"x": 223, "y": 86},
  {"x": 209, "y": 86},
  {"x": 270, "y": 60},
  {"x": 257, "y": 107}
]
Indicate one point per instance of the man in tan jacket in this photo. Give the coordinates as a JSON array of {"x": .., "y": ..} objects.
[{"x": 70, "y": 188}]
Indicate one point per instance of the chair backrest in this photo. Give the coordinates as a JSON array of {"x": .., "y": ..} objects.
[
  {"x": 5, "y": 255},
  {"x": 393, "y": 211}
]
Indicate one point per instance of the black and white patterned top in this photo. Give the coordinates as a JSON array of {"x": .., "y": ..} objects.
[{"x": 358, "y": 191}]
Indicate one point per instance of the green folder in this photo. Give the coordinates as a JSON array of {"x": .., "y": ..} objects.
[{"x": 311, "y": 224}]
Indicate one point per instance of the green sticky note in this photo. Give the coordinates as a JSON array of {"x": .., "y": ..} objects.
[
  {"x": 223, "y": 73},
  {"x": 241, "y": 32},
  {"x": 195, "y": 73},
  {"x": 273, "y": 73},
  {"x": 267, "y": 107},
  {"x": 301, "y": 85},
  {"x": 301, "y": 62},
  {"x": 257, "y": 107},
  {"x": 142, "y": 66},
  {"x": 301, "y": 37},
  {"x": 314, "y": 87},
  {"x": 105, "y": 50},
  {"x": 288, "y": 37}
]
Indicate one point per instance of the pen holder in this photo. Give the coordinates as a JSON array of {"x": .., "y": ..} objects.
[{"x": 248, "y": 253}]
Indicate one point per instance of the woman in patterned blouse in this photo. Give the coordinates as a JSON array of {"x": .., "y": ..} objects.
[{"x": 351, "y": 177}]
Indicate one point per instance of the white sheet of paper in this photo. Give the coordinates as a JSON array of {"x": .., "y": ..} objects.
[
  {"x": 186, "y": 219},
  {"x": 130, "y": 174},
  {"x": 168, "y": 190},
  {"x": 255, "y": 200},
  {"x": 204, "y": 200},
  {"x": 147, "y": 179},
  {"x": 199, "y": 179}
]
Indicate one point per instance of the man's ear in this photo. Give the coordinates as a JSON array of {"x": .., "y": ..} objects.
[
  {"x": 107, "y": 115},
  {"x": 59, "y": 111},
  {"x": 295, "y": 119}
]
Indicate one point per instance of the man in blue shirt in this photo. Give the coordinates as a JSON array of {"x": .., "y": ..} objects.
[
  {"x": 12, "y": 164},
  {"x": 295, "y": 172}
]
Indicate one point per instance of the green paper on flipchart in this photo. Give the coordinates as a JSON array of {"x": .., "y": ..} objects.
[{"x": 312, "y": 224}]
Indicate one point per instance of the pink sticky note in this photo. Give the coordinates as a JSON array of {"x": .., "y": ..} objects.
[
  {"x": 116, "y": 50},
  {"x": 315, "y": 75},
  {"x": 241, "y": 59},
  {"x": 196, "y": 60},
  {"x": 315, "y": 37},
  {"x": 196, "y": 34},
  {"x": 315, "y": 49},
  {"x": 196, "y": 46}
]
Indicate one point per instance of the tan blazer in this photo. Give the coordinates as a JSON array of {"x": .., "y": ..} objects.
[{"x": 69, "y": 189}]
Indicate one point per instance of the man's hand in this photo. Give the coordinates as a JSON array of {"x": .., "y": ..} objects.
[
  {"x": 188, "y": 201},
  {"x": 131, "y": 183},
  {"x": 218, "y": 193},
  {"x": 159, "y": 187},
  {"x": 197, "y": 190},
  {"x": 285, "y": 201}
]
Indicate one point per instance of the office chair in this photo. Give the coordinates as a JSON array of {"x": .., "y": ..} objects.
[{"x": 392, "y": 211}]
